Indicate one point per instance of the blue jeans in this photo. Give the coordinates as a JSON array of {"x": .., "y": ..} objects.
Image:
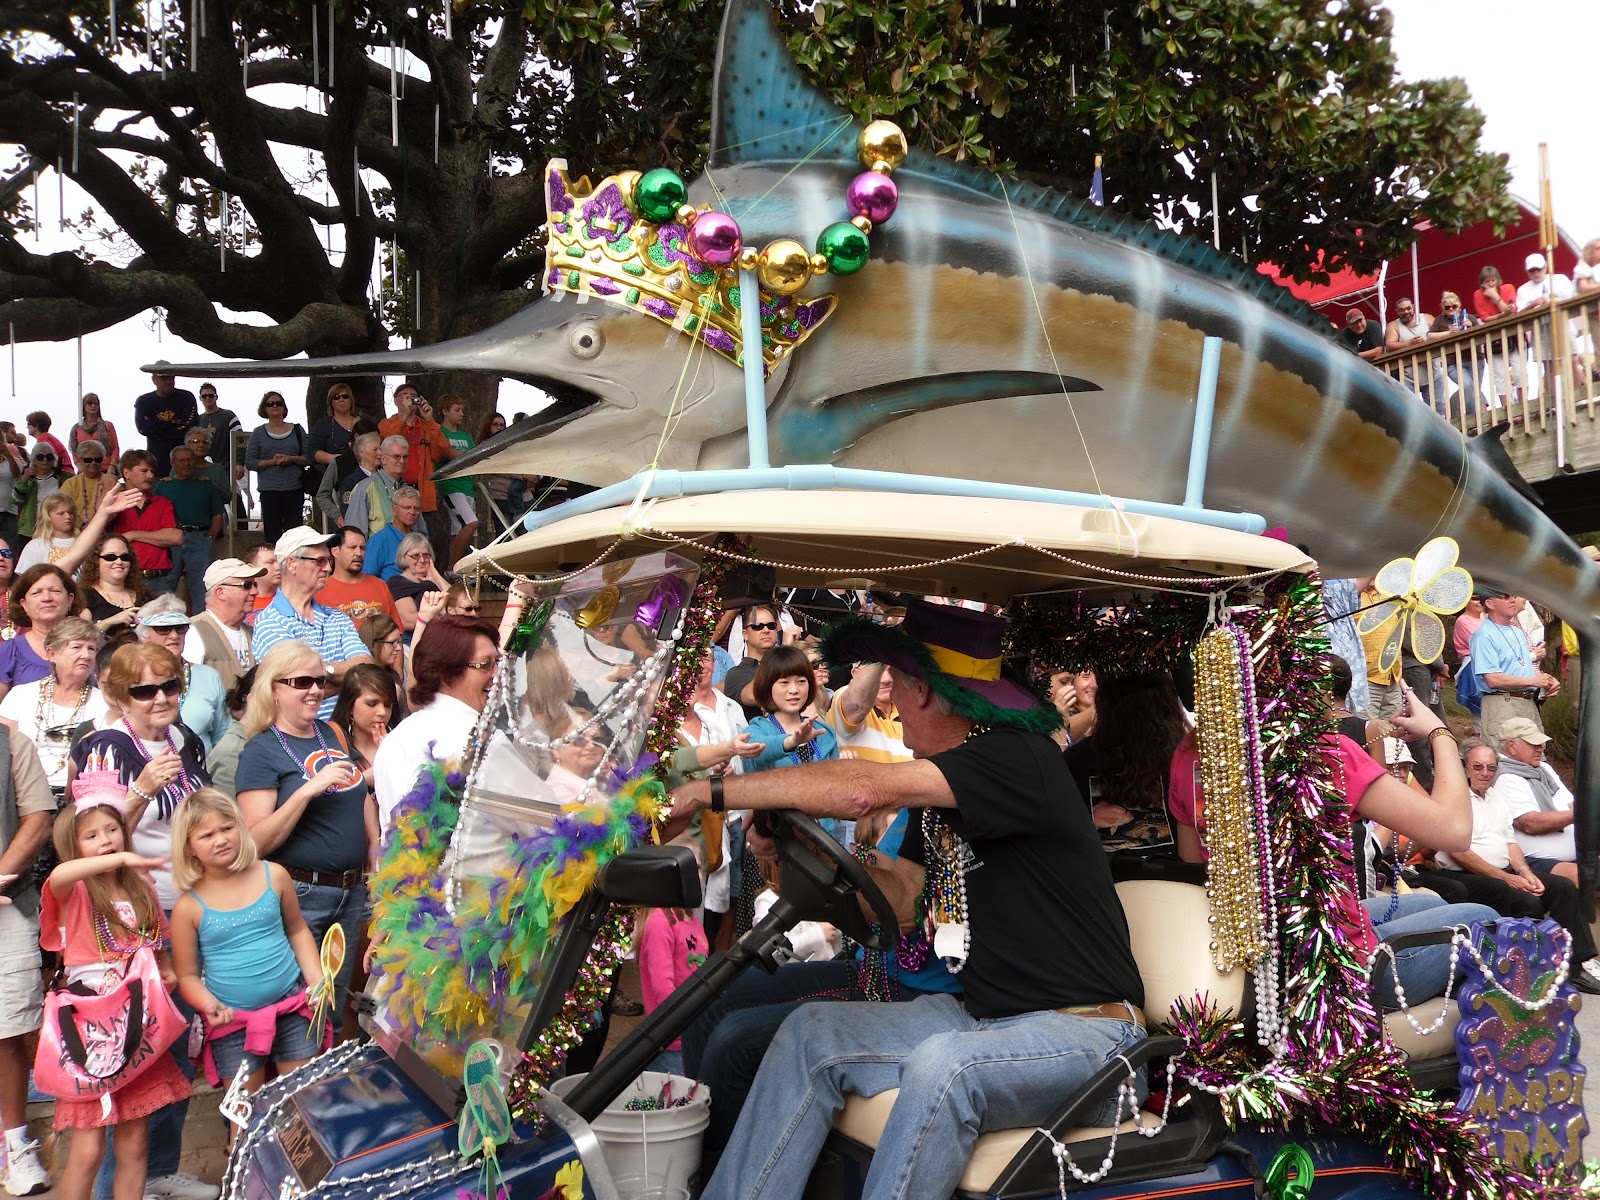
[
  {"x": 165, "y": 1145},
  {"x": 191, "y": 557},
  {"x": 1424, "y": 970},
  {"x": 957, "y": 1076},
  {"x": 323, "y": 907}
]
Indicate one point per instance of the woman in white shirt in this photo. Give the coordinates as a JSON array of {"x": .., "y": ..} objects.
[{"x": 49, "y": 710}]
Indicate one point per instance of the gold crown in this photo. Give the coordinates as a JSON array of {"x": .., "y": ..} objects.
[{"x": 601, "y": 245}]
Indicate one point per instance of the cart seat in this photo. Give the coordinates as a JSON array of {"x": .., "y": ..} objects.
[
  {"x": 1420, "y": 1047},
  {"x": 1169, "y": 924}
]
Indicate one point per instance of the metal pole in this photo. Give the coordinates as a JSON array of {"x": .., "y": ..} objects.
[
  {"x": 1205, "y": 407},
  {"x": 755, "y": 381},
  {"x": 1216, "y": 216}
]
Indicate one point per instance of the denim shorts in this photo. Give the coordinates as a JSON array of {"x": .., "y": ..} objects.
[{"x": 291, "y": 1043}]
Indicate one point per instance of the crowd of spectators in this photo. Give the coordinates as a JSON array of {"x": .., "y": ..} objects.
[{"x": 1501, "y": 366}]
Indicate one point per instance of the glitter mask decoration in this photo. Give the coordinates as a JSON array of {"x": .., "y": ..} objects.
[
  {"x": 635, "y": 240},
  {"x": 1420, "y": 591}
]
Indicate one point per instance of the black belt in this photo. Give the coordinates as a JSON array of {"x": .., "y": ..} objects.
[
  {"x": 339, "y": 879},
  {"x": 1523, "y": 694},
  {"x": 194, "y": 528}
]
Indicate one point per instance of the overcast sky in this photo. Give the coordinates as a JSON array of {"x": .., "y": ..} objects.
[{"x": 1523, "y": 62}]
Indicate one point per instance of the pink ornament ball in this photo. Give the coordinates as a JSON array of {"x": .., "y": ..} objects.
[
  {"x": 873, "y": 195},
  {"x": 714, "y": 238}
]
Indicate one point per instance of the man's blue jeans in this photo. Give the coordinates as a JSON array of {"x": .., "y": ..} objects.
[
  {"x": 957, "y": 1076},
  {"x": 1424, "y": 970},
  {"x": 191, "y": 557}
]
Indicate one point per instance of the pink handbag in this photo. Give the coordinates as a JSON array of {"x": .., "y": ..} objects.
[{"x": 92, "y": 1044}]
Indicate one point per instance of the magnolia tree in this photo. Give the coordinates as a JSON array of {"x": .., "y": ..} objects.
[{"x": 359, "y": 172}]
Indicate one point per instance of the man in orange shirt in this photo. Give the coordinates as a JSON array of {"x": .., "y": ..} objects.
[
  {"x": 413, "y": 420},
  {"x": 358, "y": 595}
]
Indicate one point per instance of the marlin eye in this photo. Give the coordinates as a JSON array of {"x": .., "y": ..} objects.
[{"x": 586, "y": 341}]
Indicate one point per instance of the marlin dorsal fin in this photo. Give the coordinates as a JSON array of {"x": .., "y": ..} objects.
[
  {"x": 1493, "y": 449},
  {"x": 763, "y": 107}
]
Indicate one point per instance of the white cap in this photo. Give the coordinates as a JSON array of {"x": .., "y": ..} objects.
[
  {"x": 225, "y": 569},
  {"x": 1532, "y": 261},
  {"x": 300, "y": 538}
]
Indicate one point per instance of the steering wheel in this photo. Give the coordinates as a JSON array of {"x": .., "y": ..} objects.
[{"x": 833, "y": 897}]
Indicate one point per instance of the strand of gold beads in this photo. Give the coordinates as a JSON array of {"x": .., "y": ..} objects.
[{"x": 1233, "y": 882}]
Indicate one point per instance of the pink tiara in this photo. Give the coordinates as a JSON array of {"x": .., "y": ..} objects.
[{"x": 100, "y": 786}]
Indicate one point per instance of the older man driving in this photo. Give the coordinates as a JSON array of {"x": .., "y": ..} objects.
[{"x": 1025, "y": 911}]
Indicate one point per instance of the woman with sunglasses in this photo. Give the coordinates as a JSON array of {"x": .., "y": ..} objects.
[
  {"x": 9, "y": 544},
  {"x": 51, "y": 710},
  {"x": 278, "y": 453},
  {"x": 38, "y": 600},
  {"x": 115, "y": 585},
  {"x": 386, "y": 642},
  {"x": 303, "y": 797},
  {"x": 43, "y": 479},
  {"x": 54, "y": 531},
  {"x": 203, "y": 702},
  {"x": 93, "y": 428},
  {"x": 332, "y": 439},
  {"x": 418, "y": 576}
]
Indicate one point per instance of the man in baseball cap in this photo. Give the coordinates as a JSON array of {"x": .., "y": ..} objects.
[
  {"x": 305, "y": 557},
  {"x": 218, "y": 636}
]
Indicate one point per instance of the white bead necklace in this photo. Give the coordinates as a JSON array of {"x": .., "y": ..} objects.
[{"x": 1127, "y": 1093}]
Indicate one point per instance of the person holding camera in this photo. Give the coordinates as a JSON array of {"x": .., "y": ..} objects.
[{"x": 414, "y": 420}]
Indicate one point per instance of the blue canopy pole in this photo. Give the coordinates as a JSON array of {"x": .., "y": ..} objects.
[
  {"x": 1205, "y": 408},
  {"x": 755, "y": 380}
]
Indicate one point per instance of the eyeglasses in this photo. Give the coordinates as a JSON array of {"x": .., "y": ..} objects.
[
  {"x": 304, "y": 683},
  {"x": 467, "y": 608},
  {"x": 755, "y": 625},
  {"x": 274, "y": 404},
  {"x": 1484, "y": 766},
  {"x": 147, "y": 691},
  {"x": 243, "y": 587},
  {"x": 127, "y": 558},
  {"x": 84, "y": 458},
  {"x": 208, "y": 395},
  {"x": 6, "y": 553},
  {"x": 487, "y": 664},
  {"x": 389, "y": 643},
  {"x": 1450, "y": 307},
  {"x": 322, "y": 561},
  {"x": 343, "y": 396},
  {"x": 50, "y": 458}
]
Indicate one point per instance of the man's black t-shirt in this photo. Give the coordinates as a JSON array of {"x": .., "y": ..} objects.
[
  {"x": 1047, "y": 928},
  {"x": 735, "y": 681},
  {"x": 1370, "y": 338}
]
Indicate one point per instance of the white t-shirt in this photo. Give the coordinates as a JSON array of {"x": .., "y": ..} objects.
[
  {"x": 1492, "y": 833},
  {"x": 719, "y": 724},
  {"x": 1518, "y": 799},
  {"x": 1552, "y": 287},
  {"x": 21, "y": 705},
  {"x": 438, "y": 730},
  {"x": 38, "y": 551},
  {"x": 194, "y": 650}
]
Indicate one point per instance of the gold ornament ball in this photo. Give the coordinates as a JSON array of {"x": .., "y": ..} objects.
[
  {"x": 819, "y": 265},
  {"x": 862, "y": 223},
  {"x": 687, "y": 213},
  {"x": 882, "y": 142},
  {"x": 785, "y": 267},
  {"x": 749, "y": 259}
]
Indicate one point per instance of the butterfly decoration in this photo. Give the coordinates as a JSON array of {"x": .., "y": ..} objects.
[
  {"x": 569, "y": 1183},
  {"x": 321, "y": 997},
  {"x": 1290, "y": 1175},
  {"x": 485, "y": 1122},
  {"x": 1418, "y": 592}
]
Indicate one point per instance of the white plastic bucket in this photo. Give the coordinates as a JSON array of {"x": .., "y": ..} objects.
[{"x": 651, "y": 1152}]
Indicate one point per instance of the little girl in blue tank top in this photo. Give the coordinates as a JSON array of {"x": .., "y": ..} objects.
[{"x": 241, "y": 948}]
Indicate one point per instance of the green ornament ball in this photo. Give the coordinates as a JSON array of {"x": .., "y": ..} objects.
[
  {"x": 659, "y": 194},
  {"x": 845, "y": 247}
]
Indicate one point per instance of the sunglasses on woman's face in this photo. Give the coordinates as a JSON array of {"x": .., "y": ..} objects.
[
  {"x": 89, "y": 458},
  {"x": 127, "y": 558},
  {"x": 304, "y": 683},
  {"x": 147, "y": 691}
]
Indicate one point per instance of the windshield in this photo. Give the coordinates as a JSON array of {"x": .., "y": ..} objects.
[{"x": 563, "y": 729}]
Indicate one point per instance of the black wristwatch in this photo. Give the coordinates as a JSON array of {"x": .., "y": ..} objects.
[{"x": 716, "y": 793}]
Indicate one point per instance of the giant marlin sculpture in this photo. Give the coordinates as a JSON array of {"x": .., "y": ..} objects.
[{"x": 998, "y": 332}]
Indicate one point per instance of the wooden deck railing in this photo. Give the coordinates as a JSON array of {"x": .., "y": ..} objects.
[{"x": 1536, "y": 370}]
